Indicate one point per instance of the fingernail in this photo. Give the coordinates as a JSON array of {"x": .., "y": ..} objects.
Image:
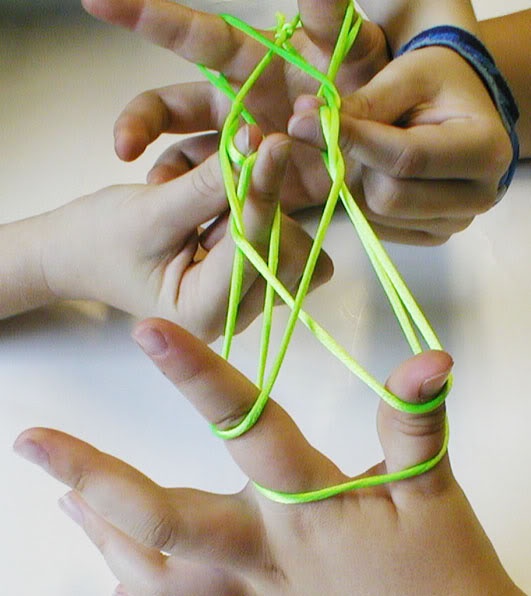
[
  {"x": 33, "y": 452},
  {"x": 248, "y": 139},
  {"x": 304, "y": 126},
  {"x": 433, "y": 385},
  {"x": 242, "y": 140},
  {"x": 69, "y": 506},
  {"x": 281, "y": 151},
  {"x": 151, "y": 341},
  {"x": 120, "y": 591},
  {"x": 305, "y": 103}
]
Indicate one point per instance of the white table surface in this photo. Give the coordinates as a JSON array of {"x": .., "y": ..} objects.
[{"x": 74, "y": 367}]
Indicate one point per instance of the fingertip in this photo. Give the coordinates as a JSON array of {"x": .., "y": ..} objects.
[
  {"x": 28, "y": 445},
  {"x": 162, "y": 174},
  {"x": 248, "y": 139},
  {"x": 130, "y": 145},
  {"x": 306, "y": 126},
  {"x": 281, "y": 150},
  {"x": 422, "y": 376},
  {"x": 304, "y": 103}
]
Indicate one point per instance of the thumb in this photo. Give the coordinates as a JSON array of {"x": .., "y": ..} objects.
[
  {"x": 409, "y": 439},
  {"x": 393, "y": 92}
]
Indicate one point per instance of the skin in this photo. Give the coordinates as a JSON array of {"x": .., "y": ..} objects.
[
  {"x": 111, "y": 234},
  {"x": 198, "y": 107},
  {"x": 404, "y": 131},
  {"x": 414, "y": 537}
]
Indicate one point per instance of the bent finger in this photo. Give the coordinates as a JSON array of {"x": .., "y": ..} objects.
[
  {"x": 415, "y": 199},
  {"x": 182, "y": 157},
  {"x": 183, "y": 108},
  {"x": 459, "y": 148}
]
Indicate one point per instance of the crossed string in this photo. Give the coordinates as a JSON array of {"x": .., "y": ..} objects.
[{"x": 237, "y": 171}]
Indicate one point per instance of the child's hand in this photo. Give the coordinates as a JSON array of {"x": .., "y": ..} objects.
[
  {"x": 194, "y": 107},
  {"x": 136, "y": 247},
  {"x": 430, "y": 140},
  {"x": 411, "y": 538}
]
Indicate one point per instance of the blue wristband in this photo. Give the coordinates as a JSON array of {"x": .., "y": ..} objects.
[{"x": 477, "y": 55}]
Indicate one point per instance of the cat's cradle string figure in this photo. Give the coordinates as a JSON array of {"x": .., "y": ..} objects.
[{"x": 237, "y": 171}]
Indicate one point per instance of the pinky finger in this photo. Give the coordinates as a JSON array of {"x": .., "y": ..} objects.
[{"x": 144, "y": 571}]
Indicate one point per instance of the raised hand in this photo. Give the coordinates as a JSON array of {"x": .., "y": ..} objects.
[
  {"x": 194, "y": 107},
  {"x": 418, "y": 536}
]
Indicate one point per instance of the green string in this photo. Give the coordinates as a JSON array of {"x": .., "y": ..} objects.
[{"x": 407, "y": 311}]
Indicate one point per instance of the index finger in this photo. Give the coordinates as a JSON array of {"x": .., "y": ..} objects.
[
  {"x": 196, "y": 36},
  {"x": 274, "y": 452}
]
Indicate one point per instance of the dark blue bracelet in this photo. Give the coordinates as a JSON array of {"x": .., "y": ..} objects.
[{"x": 477, "y": 55}]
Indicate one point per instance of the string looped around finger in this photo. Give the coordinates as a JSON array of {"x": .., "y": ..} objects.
[{"x": 237, "y": 173}]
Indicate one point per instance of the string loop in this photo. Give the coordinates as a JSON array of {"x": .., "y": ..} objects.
[{"x": 408, "y": 313}]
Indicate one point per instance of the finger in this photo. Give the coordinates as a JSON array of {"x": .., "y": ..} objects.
[
  {"x": 425, "y": 199},
  {"x": 295, "y": 246},
  {"x": 200, "y": 194},
  {"x": 212, "y": 276},
  {"x": 457, "y": 148},
  {"x": 408, "y": 237},
  {"x": 142, "y": 570},
  {"x": 409, "y": 439},
  {"x": 181, "y": 522},
  {"x": 196, "y": 36},
  {"x": 180, "y": 109},
  {"x": 322, "y": 20},
  {"x": 273, "y": 453},
  {"x": 182, "y": 157}
]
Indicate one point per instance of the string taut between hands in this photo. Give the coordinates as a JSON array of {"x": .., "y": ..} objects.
[{"x": 237, "y": 172}]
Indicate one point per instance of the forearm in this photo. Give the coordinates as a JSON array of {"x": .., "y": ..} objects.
[
  {"x": 403, "y": 19},
  {"x": 507, "y": 38},
  {"x": 23, "y": 285}
]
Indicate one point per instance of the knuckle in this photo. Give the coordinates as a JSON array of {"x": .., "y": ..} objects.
[
  {"x": 385, "y": 200},
  {"x": 462, "y": 224},
  {"x": 205, "y": 181},
  {"x": 420, "y": 426},
  {"x": 160, "y": 531},
  {"x": 232, "y": 418},
  {"x": 498, "y": 151},
  {"x": 359, "y": 105},
  {"x": 409, "y": 162}
]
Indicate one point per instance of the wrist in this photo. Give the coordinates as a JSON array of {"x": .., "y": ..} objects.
[
  {"x": 404, "y": 19},
  {"x": 57, "y": 252},
  {"x": 24, "y": 286}
]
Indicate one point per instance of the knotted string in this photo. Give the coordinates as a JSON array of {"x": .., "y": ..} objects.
[{"x": 237, "y": 172}]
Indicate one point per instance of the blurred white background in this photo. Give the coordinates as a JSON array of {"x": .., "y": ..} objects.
[{"x": 63, "y": 80}]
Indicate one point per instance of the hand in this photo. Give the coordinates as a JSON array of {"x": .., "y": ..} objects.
[
  {"x": 414, "y": 537},
  {"x": 197, "y": 107},
  {"x": 136, "y": 247},
  {"x": 430, "y": 140}
]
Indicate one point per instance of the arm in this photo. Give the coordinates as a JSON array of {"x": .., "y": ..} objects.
[
  {"x": 420, "y": 536},
  {"x": 23, "y": 284},
  {"x": 509, "y": 41},
  {"x": 403, "y": 19}
]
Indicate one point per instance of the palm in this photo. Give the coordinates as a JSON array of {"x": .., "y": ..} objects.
[{"x": 207, "y": 39}]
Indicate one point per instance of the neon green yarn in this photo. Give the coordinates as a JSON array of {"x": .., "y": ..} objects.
[{"x": 409, "y": 315}]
